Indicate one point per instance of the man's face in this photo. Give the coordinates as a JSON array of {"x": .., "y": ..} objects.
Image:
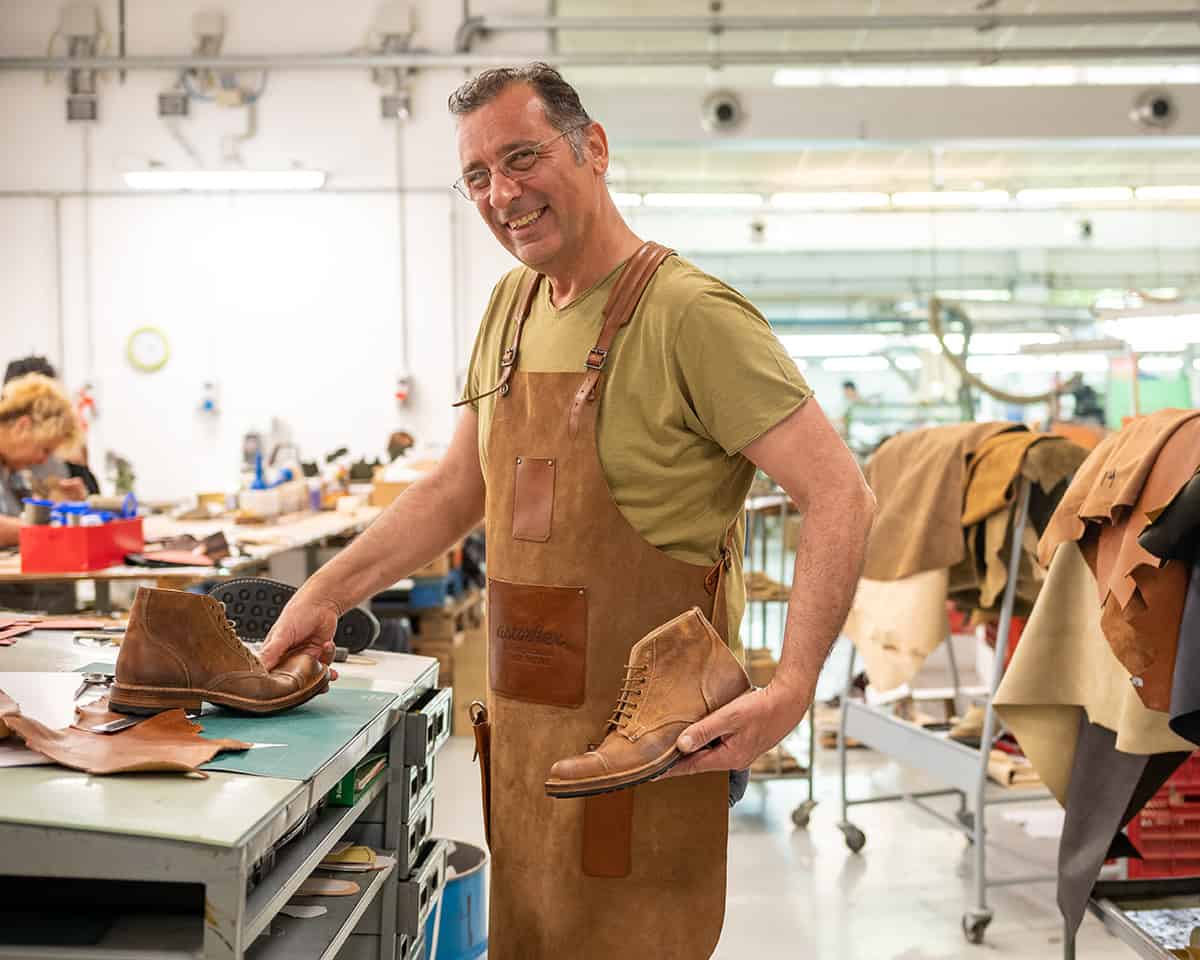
[{"x": 543, "y": 217}]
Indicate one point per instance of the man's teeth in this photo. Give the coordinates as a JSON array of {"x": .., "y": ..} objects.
[{"x": 525, "y": 220}]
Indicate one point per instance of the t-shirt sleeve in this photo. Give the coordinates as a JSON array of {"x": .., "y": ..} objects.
[
  {"x": 737, "y": 378},
  {"x": 481, "y": 351}
]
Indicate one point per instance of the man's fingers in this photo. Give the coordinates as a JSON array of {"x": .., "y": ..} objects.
[
  {"x": 717, "y": 724},
  {"x": 720, "y": 757}
]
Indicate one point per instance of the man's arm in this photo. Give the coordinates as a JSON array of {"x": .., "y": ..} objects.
[
  {"x": 806, "y": 457},
  {"x": 423, "y": 521}
]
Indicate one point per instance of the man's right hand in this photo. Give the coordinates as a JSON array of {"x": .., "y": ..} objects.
[{"x": 307, "y": 625}]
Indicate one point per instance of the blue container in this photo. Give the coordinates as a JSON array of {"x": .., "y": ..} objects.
[{"x": 464, "y": 918}]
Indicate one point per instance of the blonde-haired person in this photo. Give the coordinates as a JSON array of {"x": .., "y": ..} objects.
[{"x": 36, "y": 419}]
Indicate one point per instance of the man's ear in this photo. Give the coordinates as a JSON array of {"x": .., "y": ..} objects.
[
  {"x": 595, "y": 146},
  {"x": 23, "y": 425}
]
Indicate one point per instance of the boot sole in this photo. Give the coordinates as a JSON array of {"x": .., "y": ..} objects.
[
  {"x": 569, "y": 789},
  {"x": 145, "y": 701},
  {"x": 255, "y": 603}
]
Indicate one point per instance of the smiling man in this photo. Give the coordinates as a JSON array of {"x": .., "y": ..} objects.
[{"x": 618, "y": 403}]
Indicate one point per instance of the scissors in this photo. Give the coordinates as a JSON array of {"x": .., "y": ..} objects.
[{"x": 93, "y": 680}]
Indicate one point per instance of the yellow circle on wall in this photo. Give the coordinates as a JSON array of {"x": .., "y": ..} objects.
[{"x": 147, "y": 349}]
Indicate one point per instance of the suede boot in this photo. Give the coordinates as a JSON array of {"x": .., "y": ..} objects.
[
  {"x": 179, "y": 650},
  {"x": 676, "y": 675}
]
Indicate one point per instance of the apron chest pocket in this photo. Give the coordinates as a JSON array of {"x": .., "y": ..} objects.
[
  {"x": 533, "y": 499},
  {"x": 537, "y": 642}
]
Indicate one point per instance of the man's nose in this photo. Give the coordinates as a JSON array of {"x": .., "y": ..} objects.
[{"x": 504, "y": 191}]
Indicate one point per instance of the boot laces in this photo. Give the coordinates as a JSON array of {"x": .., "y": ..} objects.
[
  {"x": 231, "y": 633},
  {"x": 630, "y": 697}
]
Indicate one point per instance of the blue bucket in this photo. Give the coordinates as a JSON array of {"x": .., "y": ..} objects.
[{"x": 464, "y": 909}]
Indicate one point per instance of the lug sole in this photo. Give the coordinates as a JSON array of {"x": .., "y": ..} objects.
[
  {"x": 255, "y": 603},
  {"x": 146, "y": 701},
  {"x": 570, "y": 789}
]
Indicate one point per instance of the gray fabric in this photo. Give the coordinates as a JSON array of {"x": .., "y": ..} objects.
[
  {"x": 738, "y": 781},
  {"x": 11, "y": 492},
  {"x": 1185, "y": 685},
  {"x": 1106, "y": 791}
]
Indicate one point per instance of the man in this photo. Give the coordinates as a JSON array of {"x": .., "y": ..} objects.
[{"x": 613, "y": 462}]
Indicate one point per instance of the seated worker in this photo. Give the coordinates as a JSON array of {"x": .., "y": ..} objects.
[{"x": 36, "y": 419}]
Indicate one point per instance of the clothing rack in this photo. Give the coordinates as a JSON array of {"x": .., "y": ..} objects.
[
  {"x": 757, "y": 511},
  {"x": 962, "y": 768}
]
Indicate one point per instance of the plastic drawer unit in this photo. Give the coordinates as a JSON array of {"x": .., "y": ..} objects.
[
  {"x": 412, "y": 835},
  {"x": 427, "y": 726},
  {"x": 365, "y": 946}
]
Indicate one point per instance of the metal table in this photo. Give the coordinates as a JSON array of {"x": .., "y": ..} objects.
[{"x": 57, "y": 823}]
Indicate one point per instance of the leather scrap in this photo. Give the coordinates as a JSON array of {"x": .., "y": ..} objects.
[
  {"x": 8, "y": 708},
  {"x": 166, "y": 742},
  {"x": 993, "y": 472},
  {"x": 325, "y": 887}
]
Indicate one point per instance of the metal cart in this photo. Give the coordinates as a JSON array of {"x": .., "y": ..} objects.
[{"x": 962, "y": 768}]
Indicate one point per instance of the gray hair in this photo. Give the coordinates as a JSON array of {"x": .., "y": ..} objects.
[{"x": 559, "y": 99}]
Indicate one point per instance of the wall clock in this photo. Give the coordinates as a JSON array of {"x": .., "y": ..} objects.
[{"x": 147, "y": 349}]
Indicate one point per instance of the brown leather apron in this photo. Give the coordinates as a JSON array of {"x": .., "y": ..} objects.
[{"x": 571, "y": 587}]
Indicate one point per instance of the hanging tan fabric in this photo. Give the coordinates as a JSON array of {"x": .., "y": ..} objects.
[
  {"x": 918, "y": 479},
  {"x": 1064, "y": 668},
  {"x": 896, "y": 624},
  {"x": 993, "y": 472},
  {"x": 1112, "y": 478}
]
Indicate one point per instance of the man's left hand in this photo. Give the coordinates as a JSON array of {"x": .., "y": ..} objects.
[{"x": 746, "y": 728}]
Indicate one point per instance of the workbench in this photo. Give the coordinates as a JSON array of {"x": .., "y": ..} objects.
[
  {"x": 213, "y": 833},
  {"x": 257, "y": 542}
]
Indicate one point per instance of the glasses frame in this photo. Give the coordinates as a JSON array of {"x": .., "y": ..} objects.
[{"x": 539, "y": 151}]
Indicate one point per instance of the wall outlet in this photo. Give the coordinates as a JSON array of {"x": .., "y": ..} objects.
[
  {"x": 173, "y": 103},
  {"x": 82, "y": 107}
]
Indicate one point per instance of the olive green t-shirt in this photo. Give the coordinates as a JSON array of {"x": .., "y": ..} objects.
[{"x": 695, "y": 376}]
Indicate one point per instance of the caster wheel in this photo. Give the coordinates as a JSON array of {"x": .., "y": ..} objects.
[
  {"x": 855, "y": 838},
  {"x": 974, "y": 925},
  {"x": 803, "y": 813}
]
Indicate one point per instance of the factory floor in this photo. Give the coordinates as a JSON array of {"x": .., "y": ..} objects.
[{"x": 801, "y": 895}]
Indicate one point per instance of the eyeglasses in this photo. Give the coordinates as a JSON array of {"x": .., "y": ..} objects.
[{"x": 474, "y": 185}]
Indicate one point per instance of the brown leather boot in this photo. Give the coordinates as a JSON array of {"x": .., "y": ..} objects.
[
  {"x": 179, "y": 649},
  {"x": 676, "y": 675}
]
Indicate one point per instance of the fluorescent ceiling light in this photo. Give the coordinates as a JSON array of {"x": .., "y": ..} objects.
[
  {"x": 1140, "y": 75},
  {"x": 627, "y": 199},
  {"x": 1064, "y": 75},
  {"x": 950, "y": 198},
  {"x": 1047, "y": 76},
  {"x": 1054, "y": 195},
  {"x": 1160, "y": 364},
  {"x": 843, "y": 200},
  {"x": 789, "y": 77},
  {"x": 1168, "y": 193},
  {"x": 1062, "y": 363},
  {"x": 225, "y": 179},
  {"x": 1007, "y": 343},
  {"x": 854, "y": 364},
  {"x": 833, "y": 344},
  {"x": 981, "y": 296},
  {"x": 742, "y": 201},
  {"x": 927, "y": 341}
]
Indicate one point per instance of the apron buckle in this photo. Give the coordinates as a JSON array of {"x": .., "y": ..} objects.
[
  {"x": 509, "y": 357},
  {"x": 596, "y": 358}
]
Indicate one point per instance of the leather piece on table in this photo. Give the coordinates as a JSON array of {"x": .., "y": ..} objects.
[
  {"x": 918, "y": 479},
  {"x": 992, "y": 474},
  {"x": 80, "y": 623},
  {"x": 896, "y": 624},
  {"x": 8, "y": 708},
  {"x": 1106, "y": 790},
  {"x": 1064, "y": 668},
  {"x": 1185, "y": 686},
  {"x": 1175, "y": 533},
  {"x": 1112, "y": 477},
  {"x": 95, "y": 713},
  {"x": 8, "y": 636},
  {"x": 166, "y": 742}
]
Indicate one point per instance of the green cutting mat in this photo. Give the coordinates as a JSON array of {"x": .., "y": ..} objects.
[{"x": 311, "y": 733}]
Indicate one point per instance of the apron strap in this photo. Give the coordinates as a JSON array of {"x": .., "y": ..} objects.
[
  {"x": 508, "y": 362},
  {"x": 618, "y": 311}
]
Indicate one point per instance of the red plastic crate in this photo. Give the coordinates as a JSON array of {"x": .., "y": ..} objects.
[
  {"x": 1167, "y": 830},
  {"x": 79, "y": 549}
]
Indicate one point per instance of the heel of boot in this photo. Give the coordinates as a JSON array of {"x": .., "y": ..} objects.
[{"x": 147, "y": 702}]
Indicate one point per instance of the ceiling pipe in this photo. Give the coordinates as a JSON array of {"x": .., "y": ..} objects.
[
  {"x": 473, "y": 27},
  {"x": 615, "y": 58}
]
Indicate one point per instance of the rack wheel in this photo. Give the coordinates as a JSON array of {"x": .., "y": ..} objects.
[
  {"x": 803, "y": 813},
  {"x": 974, "y": 925},
  {"x": 855, "y": 838}
]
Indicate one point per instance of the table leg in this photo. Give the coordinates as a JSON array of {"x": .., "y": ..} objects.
[{"x": 103, "y": 596}]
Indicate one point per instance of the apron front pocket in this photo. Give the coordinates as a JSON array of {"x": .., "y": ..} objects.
[
  {"x": 537, "y": 642},
  {"x": 533, "y": 499}
]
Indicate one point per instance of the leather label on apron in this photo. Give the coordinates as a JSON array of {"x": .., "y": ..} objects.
[
  {"x": 533, "y": 499},
  {"x": 537, "y": 642}
]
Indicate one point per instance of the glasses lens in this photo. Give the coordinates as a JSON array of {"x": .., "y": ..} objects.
[{"x": 521, "y": 161}]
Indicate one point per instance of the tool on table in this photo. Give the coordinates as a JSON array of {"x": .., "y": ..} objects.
[
  {"x": 93, "y": 680},
  {"x": 92, "y": 638}
]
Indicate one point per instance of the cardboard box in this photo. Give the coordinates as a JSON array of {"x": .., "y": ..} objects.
[{"x": 444, "y": 651}]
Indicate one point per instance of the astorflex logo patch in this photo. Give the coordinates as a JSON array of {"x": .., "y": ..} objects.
[{"x": 535, "y": 634}]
